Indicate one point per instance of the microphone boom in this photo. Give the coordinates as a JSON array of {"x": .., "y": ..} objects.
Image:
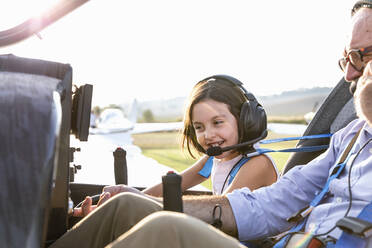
[{"x": 217, "y": 150}]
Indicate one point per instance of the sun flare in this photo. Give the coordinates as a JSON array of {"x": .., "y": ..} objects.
[{"x": 15, "y": 12}]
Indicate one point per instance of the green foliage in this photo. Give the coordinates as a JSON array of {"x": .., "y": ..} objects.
[
  {"x": 97, "y": 110},
  {"x": 114, "y": 106},
  {"x": 148, "y": 116}
]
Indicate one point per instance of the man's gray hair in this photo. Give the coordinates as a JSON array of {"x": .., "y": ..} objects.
[{"x": 361, "y": 4}]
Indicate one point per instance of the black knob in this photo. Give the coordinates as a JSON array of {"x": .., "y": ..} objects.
[
  {"x": 172, "y": 193},
  {"x": 120, "y": 166}
]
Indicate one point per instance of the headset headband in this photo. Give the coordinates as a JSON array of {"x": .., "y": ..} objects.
[{"x": 234, "y": 81}]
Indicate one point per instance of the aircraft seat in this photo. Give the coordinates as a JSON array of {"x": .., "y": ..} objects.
[
  {"x": 335, "y": 113},
  {"x": 31, "y": 143},
  {"x": 29, "y": 123}
]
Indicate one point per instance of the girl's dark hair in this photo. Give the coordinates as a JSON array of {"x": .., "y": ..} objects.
[{"x": 217, "y": 90}]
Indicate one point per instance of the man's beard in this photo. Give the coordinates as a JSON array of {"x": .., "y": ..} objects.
[{"x": 363, "y": 100}]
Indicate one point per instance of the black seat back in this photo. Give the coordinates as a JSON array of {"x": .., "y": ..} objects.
[{"x": 335, "y": 113}]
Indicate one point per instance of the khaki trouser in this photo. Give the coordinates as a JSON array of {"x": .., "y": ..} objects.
[{"x": 130, "y": 220}]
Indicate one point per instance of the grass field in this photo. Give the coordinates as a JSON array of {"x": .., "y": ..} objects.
[{"x": 165, "y": 148}]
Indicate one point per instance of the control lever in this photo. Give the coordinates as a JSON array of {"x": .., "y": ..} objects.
[
  {"x": 172, "y": 193},
  {"x": 120, "y": 166}
]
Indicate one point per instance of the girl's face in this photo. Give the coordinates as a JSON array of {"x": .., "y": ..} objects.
[{"x": 215, "y": 126}]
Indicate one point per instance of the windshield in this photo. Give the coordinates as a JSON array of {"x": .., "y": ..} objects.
[{"x": 159, "y": 49}]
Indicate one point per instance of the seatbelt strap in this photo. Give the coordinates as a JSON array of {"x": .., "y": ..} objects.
[
  {"x": 237, "y": 168},
  {"x": 335, "y": 173},
  {"x": 295, "y": 149},
  {"x": 348, "y": 148},
  {"x": 302, "y": 215},
  {"x": 306, "y": 137},
  {"x": 299, "y": 149}
]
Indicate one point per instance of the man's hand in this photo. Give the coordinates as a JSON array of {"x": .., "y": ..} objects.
[
  {"x": 363, "y": 95},
  {"x": 107, "y": 192},
  {"x": 120, "y": 188}
]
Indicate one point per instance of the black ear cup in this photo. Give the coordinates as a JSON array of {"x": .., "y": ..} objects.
[{"x": 252, "y": 122}]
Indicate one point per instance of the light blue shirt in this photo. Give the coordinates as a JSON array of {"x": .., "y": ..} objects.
[{"x": 264, "y": 212}]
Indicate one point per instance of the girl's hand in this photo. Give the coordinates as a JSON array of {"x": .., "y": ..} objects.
[
  {"x": 107, "y": 192},
  {"x": 87, "y": 207}
]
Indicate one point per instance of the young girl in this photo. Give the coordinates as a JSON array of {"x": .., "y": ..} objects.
[{"x": 220, "y": 113}]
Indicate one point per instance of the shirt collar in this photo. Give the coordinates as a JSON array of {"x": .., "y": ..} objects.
[
  {"x": 368, "y": 128},
  {"x": 231, "y": 161}
]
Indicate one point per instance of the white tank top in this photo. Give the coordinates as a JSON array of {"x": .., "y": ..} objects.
[{"x": 221, "y": 170}]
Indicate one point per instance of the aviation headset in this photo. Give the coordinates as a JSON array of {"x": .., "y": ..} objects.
[{"x": 252, "y": 124}]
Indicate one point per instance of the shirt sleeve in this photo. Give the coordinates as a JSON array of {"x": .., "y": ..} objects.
[
  {"x": 264, "y": 212},
  {"x": 207, "y": 168}
]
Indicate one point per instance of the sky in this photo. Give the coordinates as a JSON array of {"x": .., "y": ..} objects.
[{"x": 158, "y": 49}]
